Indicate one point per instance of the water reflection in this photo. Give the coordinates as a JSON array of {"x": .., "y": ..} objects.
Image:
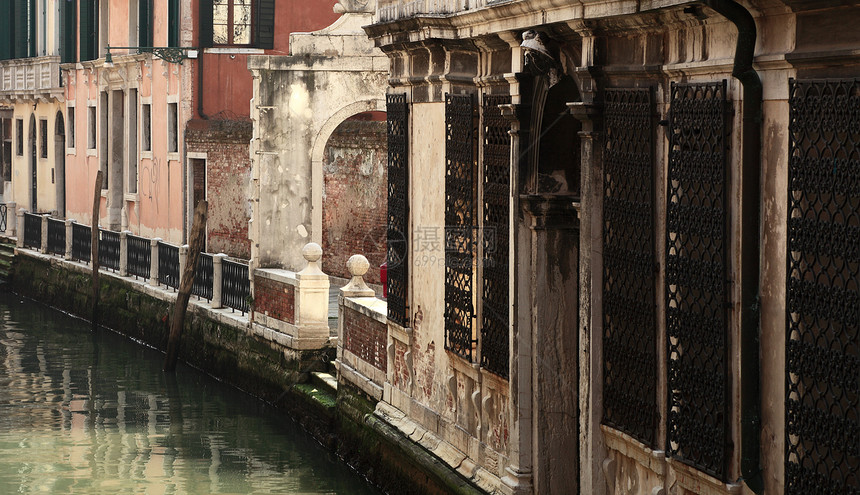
[{"x": 93, "y": 413}]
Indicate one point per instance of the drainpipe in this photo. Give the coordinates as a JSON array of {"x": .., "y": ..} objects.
[{"x": 743, "y": 71}]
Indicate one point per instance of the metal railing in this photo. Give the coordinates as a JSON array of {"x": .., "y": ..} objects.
[
  {"x": 32, "y": 230},
  {"x": 204, "y": 274},
  {"x": 81, "y": 242},
  {"x": 109, "y": 243},
  {"x": 56, "y": 236},
  {"x": 235, "y": 285},
  {"x": 168, "y": 264},
  {"x": 3, "y": 210},
  {"x": 139, "y": 255}
]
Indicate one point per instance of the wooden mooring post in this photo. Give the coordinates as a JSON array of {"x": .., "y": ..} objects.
[
  {"x": 94, "y": 245},
  {"x": 198, "y": 238}
]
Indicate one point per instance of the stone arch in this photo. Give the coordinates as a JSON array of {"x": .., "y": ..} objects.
[{"x": 318, "y": 154}]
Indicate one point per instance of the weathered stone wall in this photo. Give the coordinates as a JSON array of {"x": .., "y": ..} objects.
[
  {"x": 366, "y": 338},
  {"x": 275, "y": 299},
  {"x": 228, "y": 168},
  {"x": 355, "y": 199}
]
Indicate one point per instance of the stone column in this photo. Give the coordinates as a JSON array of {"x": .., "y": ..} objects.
[
  {"x": 153, "y": 261},
  {"x": 69, "y": 238},
  {"x": 183, "y": 261},
  {"x": 592, "y": 479},
  {"x": 217, "y": 279},
  {"x": 123, "y": 253},
  {"x": 44, "y": 247},
  {"x": 20, "y": 220},
  {"x": 311, "y": 306},
  {"x": 11, "y": 219}
]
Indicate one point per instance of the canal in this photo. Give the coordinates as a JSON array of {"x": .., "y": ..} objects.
[{"x": 92, "y": 413}]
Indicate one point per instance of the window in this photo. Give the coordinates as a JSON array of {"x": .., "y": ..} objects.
[
  {"x": 19, "y": 127},
  {"x": 172, "y": 124},
  {"x": 70, "y": 118},
  {"x": 43, "y": 138},
  {"x": 237, "y": 23},
  {"x": 146, "y": 127},
  {"x": 131, "y": 179},
  {"x": 103, "y": 141},
  {"x": 91, "y": 127}
]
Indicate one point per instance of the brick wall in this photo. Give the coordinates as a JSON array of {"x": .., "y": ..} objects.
[
  {"x": 355, "y": 198},
  {"x": 365, "y": 337},
  {"x": 228, "y": 170},
  {"x": 275, "y": 299}
]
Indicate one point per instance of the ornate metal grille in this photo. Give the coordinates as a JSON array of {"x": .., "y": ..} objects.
[
  {"x": 56, "y": 236},
  {"x": 629, "y": 313},
  {"x": 496, "y": 205},
  {"x": 696, "y": 278},
  {"x": 398, "y": 209},
  {"x": 3, "y": 217},
  {"x": 823, "y": 289},
  {"x": 459, "y": 223}
]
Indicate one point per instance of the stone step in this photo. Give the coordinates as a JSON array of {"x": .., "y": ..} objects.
[{"x": 324, "y": 381}]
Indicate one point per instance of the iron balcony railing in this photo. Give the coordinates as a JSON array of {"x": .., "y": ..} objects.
[
  {"x": 168, "y": 265},
  {"x": 56, "y": 236},
  {"x": 235, "y": 285},
  {"x": 81, "y": 242},
  {"x": 139, "y": 253},
  {"x": 32, "y": 230},
  {"x": 3, "y": 217},
  {"x": 109, "y": 242},
  {"x": 204, "y": 274}
]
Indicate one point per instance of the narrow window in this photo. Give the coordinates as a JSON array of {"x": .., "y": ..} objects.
[
  {"x": 146, "y": 127},
  {"x": 19, "y": 148},
  {"x": 131, "y": 180},
  {"x": 91, "y": 128},
  {"x": 172, "y": 124},
  {"x": 103, "y": 137},
  {"x": 43, "y": 138},
  {"x": 70, "y": 117}
]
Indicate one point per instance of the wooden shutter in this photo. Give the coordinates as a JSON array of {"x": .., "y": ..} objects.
[
  {"x": 20, "y": 29},
  {"x": 173, "y": 23},
  {"x": 68, "y": 26},
  {"x": 205, "y": 23},
  {"x": 264, "y": 28},
  {"x": 89, "y": 26},
  {"x": 144, "y": 16},
  {"x": 31, "y": 30},
  {"x": 7, "y": 34}
]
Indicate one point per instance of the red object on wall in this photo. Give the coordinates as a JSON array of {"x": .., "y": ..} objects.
[{"x": 383, "y": 276}]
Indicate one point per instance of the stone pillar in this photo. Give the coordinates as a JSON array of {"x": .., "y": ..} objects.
[
  {"x": 69, "y": 238},
  {"x": 44, "y": 247},
  {"x": 153, "y": 261},
  {"x": 123, "y": 253},
  {"x": 311, "y": 306},
  {"x": 11, "y": 219},
  {"x": 217, "y": 278},
  {"x": 20, "y": 220},
  {"x": 592, "y": 479},
  {"x": 183, "y": 261}
]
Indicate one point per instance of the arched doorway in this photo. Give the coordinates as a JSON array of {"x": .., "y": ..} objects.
[
  {"x": 60, "y": 163},
  {"x": 354, "y": 196},
  {"x": 34, "y": 204}
]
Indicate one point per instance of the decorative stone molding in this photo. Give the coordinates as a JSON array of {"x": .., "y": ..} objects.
[{"x": 357, "y": 266}]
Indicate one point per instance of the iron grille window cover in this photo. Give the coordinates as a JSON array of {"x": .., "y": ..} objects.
[
  {"x": 168, "y": 264},
  {"x": 398, "y": 209},
  {"x": 203, "y": 277},
  {"x": 495, "y": 317},
  {"x": 139, "y": 252},
  {"x": 235, "y": 285},
  {"x": 822, "y": 433},
  {"x": 32, "y": 230},
  {"x": 109, "y": 243},
  {"x": 460, "y": 221},
  {"x": 696, "y": 244},
  {"x": 56, "y": 236},
  {"x": 629, "y": 312},
  {"x": 3, "y": 210},
  {"x": 81, "y": 242}
]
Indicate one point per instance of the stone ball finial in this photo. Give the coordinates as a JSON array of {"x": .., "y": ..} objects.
[
  {"x": 312, "y": 252},
  {"x": 357, "y": 265}
]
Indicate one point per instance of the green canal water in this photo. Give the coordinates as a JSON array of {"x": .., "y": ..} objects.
[{"x": 92, "y": 413}]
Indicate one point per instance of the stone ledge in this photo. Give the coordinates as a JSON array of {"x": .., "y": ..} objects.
[
  {"x": 368, "y": 306},
  {"x": 364, "y": 383},
  {"x": 277, "y": 275}
]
